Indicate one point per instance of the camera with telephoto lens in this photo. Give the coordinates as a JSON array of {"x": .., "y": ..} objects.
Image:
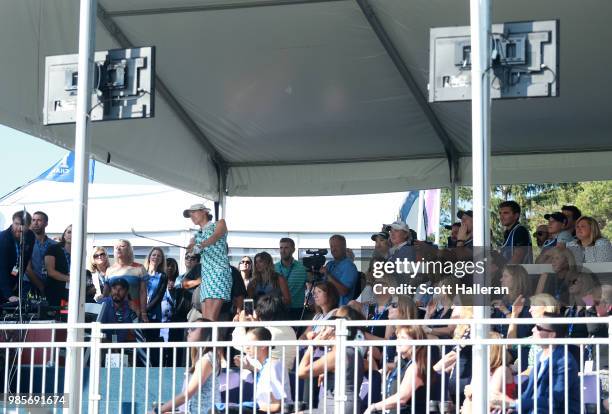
[{"x": 314, "y": 262}]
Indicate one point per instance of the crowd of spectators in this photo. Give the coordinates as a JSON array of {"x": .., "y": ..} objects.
[{"x": 211, "y": 289}]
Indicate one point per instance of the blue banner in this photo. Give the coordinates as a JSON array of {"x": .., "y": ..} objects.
[{"x": 63, "y": 170}]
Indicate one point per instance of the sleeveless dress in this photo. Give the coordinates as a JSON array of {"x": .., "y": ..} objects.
[{"x": 216, "y": 271}]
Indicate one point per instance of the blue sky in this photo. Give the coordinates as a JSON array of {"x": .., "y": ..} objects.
[{"x": 24, "y": 157}]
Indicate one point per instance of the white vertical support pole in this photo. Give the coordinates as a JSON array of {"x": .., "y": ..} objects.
[
  {"x": 420, "y": 219},
  {"x": 340, "y": 367},
  {"x": 81, "y": 180},
  {"x": 222, "y": 193},
  {"x": 94, "y": 368},
  {"x": 480, "y": 28}
]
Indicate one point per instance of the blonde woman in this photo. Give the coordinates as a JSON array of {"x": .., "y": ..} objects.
[
  {"x": 134, "y": 273},
  {"x": 98, "y": 265},
  {"x": 267, "y": 281},
  {"x": 590, "y": 246}
]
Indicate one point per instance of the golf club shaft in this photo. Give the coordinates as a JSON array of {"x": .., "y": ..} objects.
[{"x": 155, "y": 240}]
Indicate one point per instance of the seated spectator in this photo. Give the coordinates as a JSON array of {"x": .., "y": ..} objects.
[
  {"x": 415, "y": 374},
  {"x": 402, "y": 308},
  {"x": 98, "y": 264},
  {"x": 326, "y": 302},
  {"x": 538, "y": 305},
  {"x": 590, "y": 246},
  {"x": 341, "y": 271},
  {"x": 541, "y": 234},
  {"x": 324, "y": 367},
  {"x": 551, "y": 362},
  {"x": 266, "y": 281},
  {"x": 440, "y": 307},
  {"x": 516, "y": 280},
  {"x": 557, "y": 236},
  {"x": 271, "y": 385},
  {"x": 199, "y": 392},
  {"x": 246, "y": 270},
  {"x": 580, "y": 286},
  {"x": 501, "y": 378},
  {"x": 456, "y": 366},
  {"x": 367, "y": 293},
  {"x": 564, "y": 268},
  {"x": 269, "y": 308}
]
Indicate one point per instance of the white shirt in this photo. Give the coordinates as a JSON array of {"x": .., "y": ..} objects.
[
  {"x": 272, "y": 379},
  {"x": 279, "y": 333}
]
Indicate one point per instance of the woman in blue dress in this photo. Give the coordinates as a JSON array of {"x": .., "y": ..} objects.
[{"x": 211, "y": 242}]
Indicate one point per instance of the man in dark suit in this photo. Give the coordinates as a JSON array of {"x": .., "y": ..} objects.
[{"x": 11, "y": 248}]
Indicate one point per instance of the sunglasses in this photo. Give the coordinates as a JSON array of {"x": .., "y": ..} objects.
[
  {"x": 99, "y": 255},
  {"x": 190, "y": 258},
  {"x": 542, "y": 329},
  {"x": 573, "y": 282},
  {"x": 395, "y": 305}
]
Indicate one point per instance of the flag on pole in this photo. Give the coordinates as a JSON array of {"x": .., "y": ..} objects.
[{"x": 63, "y": 170}]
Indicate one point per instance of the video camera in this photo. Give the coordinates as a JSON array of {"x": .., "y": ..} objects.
[{"x": 315, "y": 261}]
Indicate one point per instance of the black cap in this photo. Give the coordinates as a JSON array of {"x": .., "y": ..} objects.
[
  {"x": 460, "y": 213},
  {"x": 557, "y": 216},
  {"x": 121, "y": 282},
  {"x": 450, "y": 226},
  {"x": 382, "y": 234}
]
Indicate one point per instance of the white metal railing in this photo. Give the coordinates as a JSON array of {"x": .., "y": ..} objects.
[{"x": 110, "y": 385}]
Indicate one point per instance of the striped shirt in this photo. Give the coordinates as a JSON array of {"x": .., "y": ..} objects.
[{"x": 296, "y": 279}]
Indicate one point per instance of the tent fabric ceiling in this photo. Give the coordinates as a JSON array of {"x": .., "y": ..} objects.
[{"x": 303, "y": 99}]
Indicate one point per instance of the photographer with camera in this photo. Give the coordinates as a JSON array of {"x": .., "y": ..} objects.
[
  {"x": 295, "y": 274},
  {"x": 341, "y": 271}
]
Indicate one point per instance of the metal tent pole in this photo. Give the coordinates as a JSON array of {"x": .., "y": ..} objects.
[
  {"x": 81, "y": 181},
  {"x": 480, "y": 21}
]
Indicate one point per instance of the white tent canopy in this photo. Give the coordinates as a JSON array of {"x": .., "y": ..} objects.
[{"x": 299, "y": 97}]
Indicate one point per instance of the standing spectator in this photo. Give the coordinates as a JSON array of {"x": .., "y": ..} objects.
[
  {"x": 36, "y": 273},
  {"x": 517, "y": 243},
  {"x": 216, "y": 286},
  {"x": 246, "y": 270},
  {"x": 193, "y": 273},
  {"x": 10, "y": 251},
  {"x": 57, "y": 262},
  {"x": 452, "y": 239},
  {"x": 157, "y": 282},
  {"x": 295, "y": 274},
  {"x": 168, "y": 304},
  {"x": 381, "y": 245},
  {"x": 590, "y": 246},
  {"x": 341, "y": 271},
  {"x": 541, "y": 234},
  {"x": 133, "y": 273},
  {"x": 239, "y": 293},
  {"x": 556, "y": 233},
  {"x": 266, "y": 281},
  {"x": 572, "y": 213},
  {"x": 464, "y": 234},
  {"x": 98, "y": 265},
  {"x": 401, "y": 241}
]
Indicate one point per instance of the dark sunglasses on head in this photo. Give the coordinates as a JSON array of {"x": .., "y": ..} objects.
[
  {"x": 97, "y": 256},
  {"x": 542, "y": 329}
]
